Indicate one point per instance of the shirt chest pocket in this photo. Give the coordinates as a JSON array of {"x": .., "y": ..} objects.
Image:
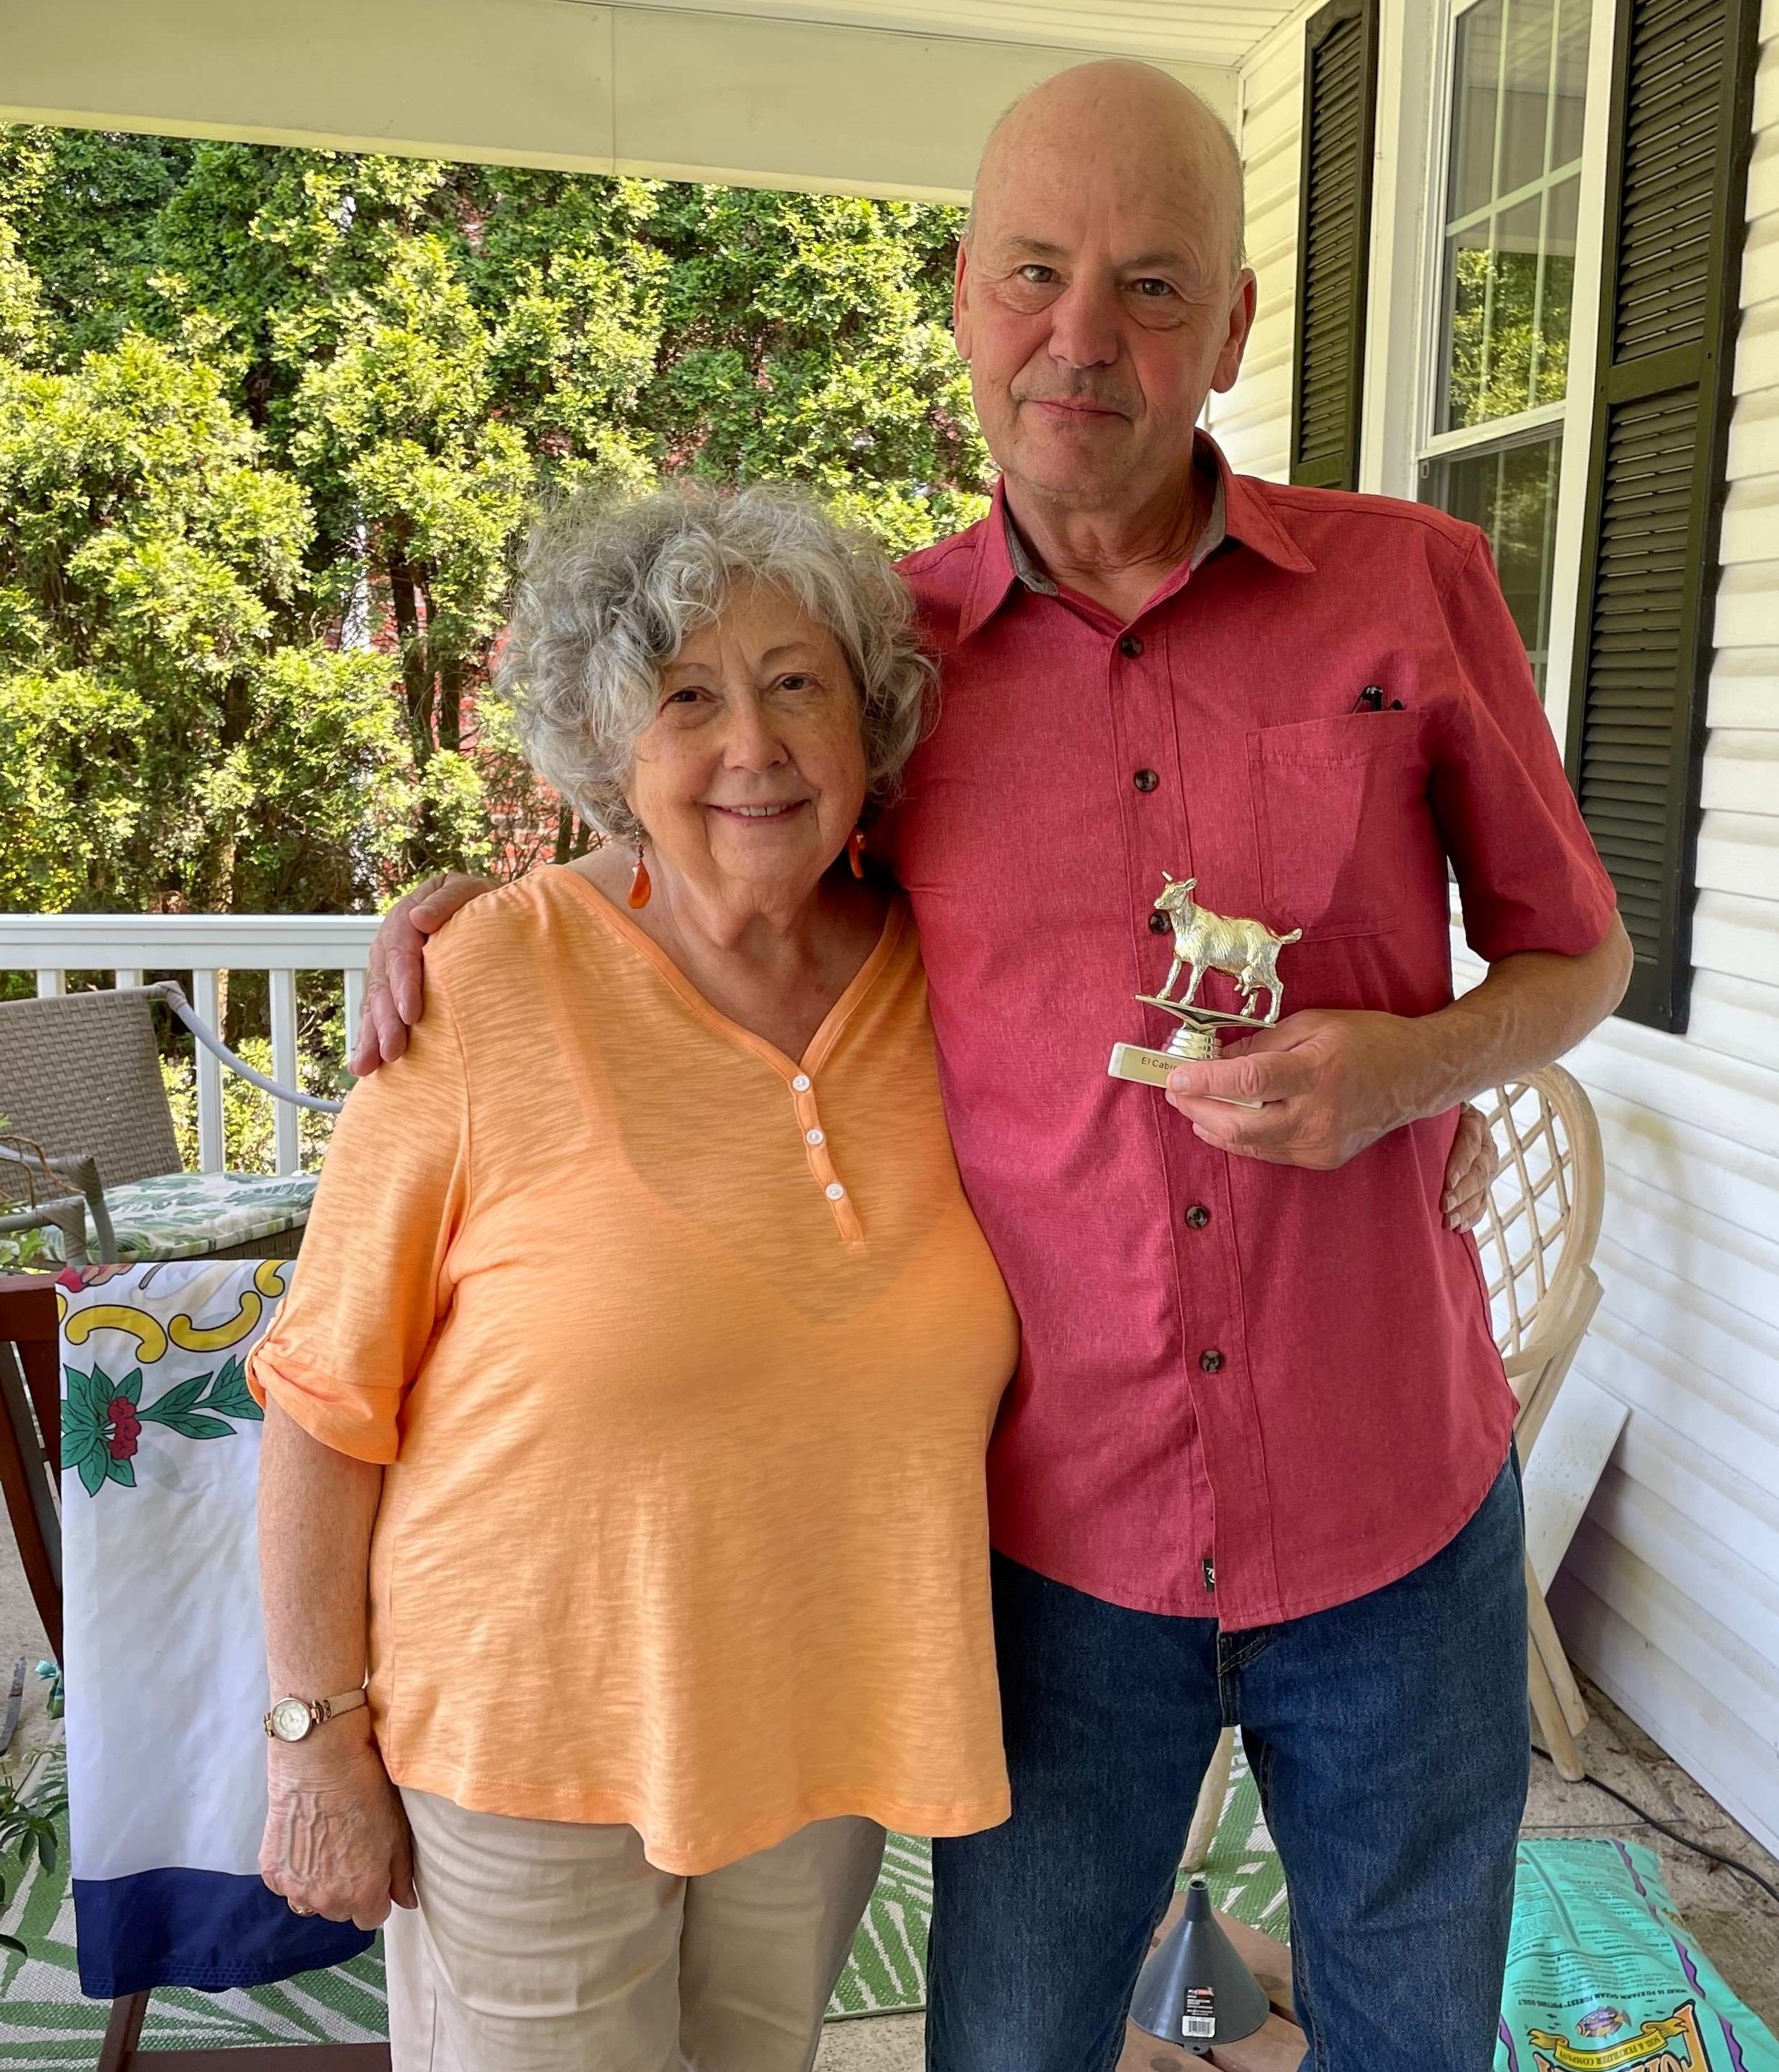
[{"x": 1334, "y": 801}]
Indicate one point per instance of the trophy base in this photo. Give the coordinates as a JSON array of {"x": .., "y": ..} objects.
[
  {"x": 1145, "y": 1067},
  {"x": 1193, "y": 1041}
]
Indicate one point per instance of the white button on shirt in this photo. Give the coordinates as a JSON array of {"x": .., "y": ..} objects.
[
  {"x": 836, "y": 1191},
  {"x": 801, "y": 1084},
  {"x": 814, "y": 1136}
]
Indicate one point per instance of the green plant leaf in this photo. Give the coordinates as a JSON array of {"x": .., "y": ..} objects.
[
  {"x": 131, "y": 1385},
  {"x": 88, "y": 1393},
  {"x": 229, "y": 1395},
  {"x": 46, "y": 1847},
  {"x": 189, "y": 1423},
  {"x": 176, "y": 1401},
  {"x": 99, "y": 1392},
  {"x": 91, "y": 1468},
  {"x": 80, "y": 1437},
  {"x": 77, "y": 1411},
  {"x": 121, "y": 1471}
]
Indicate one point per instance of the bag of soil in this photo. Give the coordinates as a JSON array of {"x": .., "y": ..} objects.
[{"x": 1603, "y": 1976}]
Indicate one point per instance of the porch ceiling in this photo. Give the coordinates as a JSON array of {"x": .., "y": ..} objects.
[
  {"x": 1208, "y": 32},
  {"x": 858, "y": 96}
]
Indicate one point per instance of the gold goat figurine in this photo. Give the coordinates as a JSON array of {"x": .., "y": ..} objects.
[{"x": 1247, "y": 950}]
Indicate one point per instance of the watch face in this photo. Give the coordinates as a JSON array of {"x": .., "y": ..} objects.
[{"x": 290, "y": 1720}]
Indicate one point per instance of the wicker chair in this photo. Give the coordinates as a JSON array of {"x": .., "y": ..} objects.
[
  {"x": 80, "y": 1088},
  {"x": 1537, "y": 1239},
  {"x": 33, "y": 1195}
]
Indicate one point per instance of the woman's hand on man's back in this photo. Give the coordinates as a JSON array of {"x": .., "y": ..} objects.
[{"x": 395, "y": 984}]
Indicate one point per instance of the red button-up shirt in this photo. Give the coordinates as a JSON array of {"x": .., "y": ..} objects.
[{"x": 1246, "y": 1391}]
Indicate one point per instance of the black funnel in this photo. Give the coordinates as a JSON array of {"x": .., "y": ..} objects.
[{"x": 1195, "y": 1991}]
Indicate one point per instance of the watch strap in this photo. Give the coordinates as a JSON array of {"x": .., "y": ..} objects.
[
  {"x": 320, "y": 1711},
  {"x": 328, "y": 1708}
]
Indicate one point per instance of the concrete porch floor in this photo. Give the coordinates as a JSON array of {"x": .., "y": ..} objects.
[{"x": 1732, "y": 1920}]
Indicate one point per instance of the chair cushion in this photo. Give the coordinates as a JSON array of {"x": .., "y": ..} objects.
[{"x": 183, "y": 1215}]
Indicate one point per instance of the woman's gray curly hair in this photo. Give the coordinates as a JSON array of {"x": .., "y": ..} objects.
[{"x": 610, "y": 590}]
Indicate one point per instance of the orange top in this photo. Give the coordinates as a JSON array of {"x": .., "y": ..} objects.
[{"x": 683, "y": 1356}]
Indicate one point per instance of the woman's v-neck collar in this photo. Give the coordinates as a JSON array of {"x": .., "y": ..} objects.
[{"x": 833, "y": 1023}]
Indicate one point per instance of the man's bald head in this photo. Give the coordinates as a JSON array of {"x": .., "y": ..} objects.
[
  {"x": 1119, "y": 110},
  {"x": 1101, "y": 294}
]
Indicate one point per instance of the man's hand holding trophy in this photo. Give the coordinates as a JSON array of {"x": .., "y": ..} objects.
[{"x": 1318, "y": 1089}]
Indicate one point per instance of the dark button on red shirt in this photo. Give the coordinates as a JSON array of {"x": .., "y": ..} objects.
[{"x": 1295, "y": 1390}]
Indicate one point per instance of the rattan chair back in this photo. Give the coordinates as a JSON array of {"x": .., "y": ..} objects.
[
  {"x": 1539, "y": 1228},
  {"x": 80, "y": 1074}
]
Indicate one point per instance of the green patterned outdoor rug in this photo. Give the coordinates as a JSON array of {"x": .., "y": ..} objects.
[
  {"x": 45, "y": 2022},
  {"x": 1246, "y": 1878}
]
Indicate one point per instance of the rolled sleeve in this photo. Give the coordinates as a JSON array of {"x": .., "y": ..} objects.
[
  {"x": 1528, "y": 873},
  {"x": 372, "y": 1283}
]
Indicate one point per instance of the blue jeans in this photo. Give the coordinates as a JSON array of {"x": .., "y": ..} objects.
[{"x": 1389, "y": 1739}]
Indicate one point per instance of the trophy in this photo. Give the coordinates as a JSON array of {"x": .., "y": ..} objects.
[{"x": 1246, "y": 951}]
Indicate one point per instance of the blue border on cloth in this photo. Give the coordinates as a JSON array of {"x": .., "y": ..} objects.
[{"x": 208, "y": 1930}]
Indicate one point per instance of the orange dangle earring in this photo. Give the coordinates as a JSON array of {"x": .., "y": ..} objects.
[
  {"x": 640, "y": 886},
  {"x": 855, "y": 851}
]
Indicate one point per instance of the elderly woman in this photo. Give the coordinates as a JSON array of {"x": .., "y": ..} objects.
[{"x": 631, "y": 1459}]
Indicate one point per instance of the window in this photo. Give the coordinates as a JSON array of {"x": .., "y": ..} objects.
[{"x": 1493, "y": 444}]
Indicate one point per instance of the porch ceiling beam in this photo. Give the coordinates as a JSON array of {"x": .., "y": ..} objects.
[{"x": 671, "y": 93}]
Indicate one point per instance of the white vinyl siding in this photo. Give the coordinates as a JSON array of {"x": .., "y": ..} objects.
[
  {"x": 1670, "y": 1596},
  {"x": 1252, "y": 423}
]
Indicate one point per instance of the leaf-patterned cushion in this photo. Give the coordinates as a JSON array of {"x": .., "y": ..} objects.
[{"x": 183, "y": 1215}]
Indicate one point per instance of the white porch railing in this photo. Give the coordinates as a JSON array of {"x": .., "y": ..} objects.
[{"x": 206, "y": 945}]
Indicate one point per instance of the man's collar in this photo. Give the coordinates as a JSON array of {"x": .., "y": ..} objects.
[
  {"x": 1237, "y": 512},
  {"x": 1252, "y": 517},
  {"x": 1027, "y": 568}
]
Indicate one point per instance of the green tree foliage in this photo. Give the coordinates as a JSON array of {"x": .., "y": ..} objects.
[
  {"x": 156, "y": 711},
  {"x": 272, "y": 427}
]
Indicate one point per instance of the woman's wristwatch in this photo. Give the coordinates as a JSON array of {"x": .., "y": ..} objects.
[{"x": 293, "y": 1719}]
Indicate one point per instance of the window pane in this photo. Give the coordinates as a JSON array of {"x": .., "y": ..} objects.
[
  {"x": 1475, "y": 73},
  {"x": 1468, "y": 271},
  {"x": 1514, "y": 320},
  {"x": 1572, "y": 84},
  {"x": 1519, "y": 84},
  {"x": 1493, "y": 317},
  {"x": 1511, "y": 493},
  {"x": 1557, "y": 293},
  {"x": 1525, "y": 92}
]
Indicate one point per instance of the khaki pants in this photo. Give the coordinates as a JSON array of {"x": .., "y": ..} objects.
[{"x": 542, "y": 1945}]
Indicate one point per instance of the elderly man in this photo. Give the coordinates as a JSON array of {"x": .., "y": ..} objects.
[{"x": 1256, "y": 1464}]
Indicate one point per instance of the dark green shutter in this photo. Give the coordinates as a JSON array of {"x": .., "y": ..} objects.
[
  {"x": 1334, "y": 241},
  {"x": 1676, "y": 188}
]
